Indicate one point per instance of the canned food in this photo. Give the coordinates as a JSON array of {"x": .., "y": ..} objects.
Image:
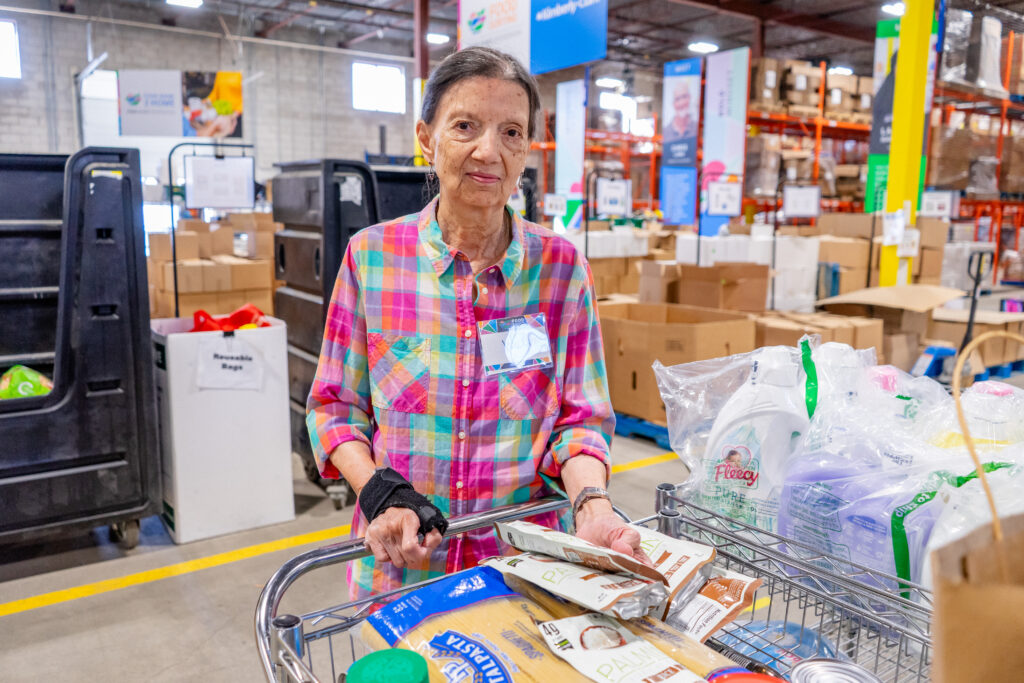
[
  {"x": 830, "y": 671},
  {"x": 740, "y": 676}
]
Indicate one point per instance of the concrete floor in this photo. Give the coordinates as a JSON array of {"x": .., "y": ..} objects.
[{"x": 196, "y": 626}]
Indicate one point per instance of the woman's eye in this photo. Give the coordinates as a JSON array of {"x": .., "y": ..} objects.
[
  {"x": 513, "y": 133},
  {"x": 463, "y": 125}
]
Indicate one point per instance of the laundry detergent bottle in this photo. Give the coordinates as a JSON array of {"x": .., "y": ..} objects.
[{"x": 752, "y": 439}]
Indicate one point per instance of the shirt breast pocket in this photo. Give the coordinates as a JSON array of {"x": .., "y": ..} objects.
[
  {"x": 528, "y": 394},
  {"x": 399, "y": 372}
]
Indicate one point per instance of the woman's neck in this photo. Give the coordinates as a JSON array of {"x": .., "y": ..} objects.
[{"x": 479, "y": 233}]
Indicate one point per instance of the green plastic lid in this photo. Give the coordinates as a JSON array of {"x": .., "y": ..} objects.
[{"x": 389, "y": 666}]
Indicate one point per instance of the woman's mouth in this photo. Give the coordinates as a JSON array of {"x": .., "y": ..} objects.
[{"x": 485, "y": 178}]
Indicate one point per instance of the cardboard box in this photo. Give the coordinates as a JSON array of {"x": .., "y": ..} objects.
[
  {"x": 727, "y": 286},
  {"x": 635, "y": 335},
  {"x": 849, "y": 224},
  {"x": 852, "y": 280},
  {"x": 222, "y": 240},
  {"x": 934, "y": 232},
  {"x": 263, "y": 222},
  {"x": 766, "y": 80},
  {"x": 247, "y": 273},
  {"x": 847, "y": 252},
  {"x": 254, "y": 244},
  {"x": 657, "y": 281},
  {"x": 903, "y": 308},
  {"x": 216, "y": 277},
  {"x": 190, "y": 276},
  {"x": 205, "y": 244},
  {"x": 188, "y": 304},
  {"x": 868, "y": 334},
  {"x": 950, "y": 325},
  {"x": 262, "y": 299},
  {"x": 901, "y": 350},
  {"x": 786, "y": 329},
  {"x": 155, "y": 273},
  {"x": 193, "y": 225},
  {"x": 187, "y": 245},
  {"x": 931, "y": 263},
  {"x": 608, "y": 267},
  {"x": 199, "y": 482}
]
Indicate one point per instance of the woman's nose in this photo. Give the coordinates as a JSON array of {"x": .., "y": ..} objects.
[{"x": 487, "y": 147}]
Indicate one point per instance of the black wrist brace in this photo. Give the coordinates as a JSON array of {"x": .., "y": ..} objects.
[{"x": 387, "y": 489}]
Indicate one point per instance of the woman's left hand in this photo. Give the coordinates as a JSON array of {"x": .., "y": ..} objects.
[{"x": 605, "y": 528}]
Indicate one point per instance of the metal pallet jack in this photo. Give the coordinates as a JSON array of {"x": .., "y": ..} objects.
[{"x": 938, "y": 362}]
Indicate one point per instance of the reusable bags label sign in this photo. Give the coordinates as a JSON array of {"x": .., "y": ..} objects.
[
  {"x": 228, "y": 363},
  {"x": 725, "y": 126},
  {"x": 565, "y": 33}
]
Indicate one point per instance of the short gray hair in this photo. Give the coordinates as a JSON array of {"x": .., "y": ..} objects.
[{"x": 478, "y": 62}]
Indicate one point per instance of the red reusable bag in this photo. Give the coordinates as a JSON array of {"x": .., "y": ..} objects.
[{"x": 246, "y": 315}]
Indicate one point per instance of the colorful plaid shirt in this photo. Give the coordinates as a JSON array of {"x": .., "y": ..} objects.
[{"x": 401, "y": 370}]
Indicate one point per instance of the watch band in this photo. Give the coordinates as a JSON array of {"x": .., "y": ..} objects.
[{"x": 587, "y": 494}]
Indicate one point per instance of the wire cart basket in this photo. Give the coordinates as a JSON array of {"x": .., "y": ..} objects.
[{"x": 810, "y": 603}]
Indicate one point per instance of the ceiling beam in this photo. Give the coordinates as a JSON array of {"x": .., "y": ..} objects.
[
  {"x": 772, "y": 14},
  {"x": 380, "y": 11}
]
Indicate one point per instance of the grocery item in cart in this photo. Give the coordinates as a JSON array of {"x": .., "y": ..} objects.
[
  {"x": 677, "y": 562},
  {"x": 993, "y": 411},
  {"x": 692, "y": 654},
  {"x": 470, "y": 627},
  {"x": 830, "y": 671},
  {"x": 617, "y": 595},
  {"x": 776, "y": 643},
  {"x": 604, "y": 650},
  {"x": 389, "y": 666},
  {"x": 722, "y": 598},
  {"x": 24, "y": 382}
]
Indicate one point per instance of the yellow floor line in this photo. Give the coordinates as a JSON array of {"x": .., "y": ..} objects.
[
  {"x": 178, "y": 569},
  {"x": 758, "y": 604},
  {"x": 644, "y": 462},
  {"x": 107, "y": 585}
]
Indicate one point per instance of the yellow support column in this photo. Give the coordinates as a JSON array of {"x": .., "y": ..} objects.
[{"x": 908, "y": 117}]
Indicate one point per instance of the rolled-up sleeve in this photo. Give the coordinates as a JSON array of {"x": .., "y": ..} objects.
[
  {"x": 586, "y": 422},
  {"x": 338, "y": 409}
]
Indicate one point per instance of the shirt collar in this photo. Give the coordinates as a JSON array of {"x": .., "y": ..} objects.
[{"x": 441, "y": 255}]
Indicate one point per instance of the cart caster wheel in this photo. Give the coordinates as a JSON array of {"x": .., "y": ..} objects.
[
  {"x": 338, "y": 492},
  {"x": 125, "y": 534}
]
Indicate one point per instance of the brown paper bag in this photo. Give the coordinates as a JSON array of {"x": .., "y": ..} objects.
[{"x": 978, "y": 624}]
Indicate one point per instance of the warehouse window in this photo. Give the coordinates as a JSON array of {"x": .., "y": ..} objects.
[
  {"x": 376, "y": 87},
  {"x": 10, "y": 53}
]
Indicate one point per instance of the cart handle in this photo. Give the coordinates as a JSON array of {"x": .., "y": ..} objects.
[{"x": 270, "y": 598}]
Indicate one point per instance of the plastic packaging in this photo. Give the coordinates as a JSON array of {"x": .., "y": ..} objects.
[
  {"x": 995, "y": 416},
  {"x": 775, "y": 642},
  {"x": 23, "y": 382},
  {"x": 389, "y": 666},
  {"x": 621, "y": 596},
  {"x": 722, "y": 598},
  {"x": 604, "y": 650},
  {"x": 469, "y": 627}
]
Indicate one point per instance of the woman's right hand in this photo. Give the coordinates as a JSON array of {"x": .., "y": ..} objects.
[{"x": 394, "y": 537}]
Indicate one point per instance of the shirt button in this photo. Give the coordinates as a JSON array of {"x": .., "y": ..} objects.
[
  {"x": 469, "y": 333},
  {"x": 462, "y": 435},
  {"x": 483, "y": 290},
  {"x": 458, "y": 484},
  {"x": 465, "y": 382},
  {"x": 494, "y": 269}
]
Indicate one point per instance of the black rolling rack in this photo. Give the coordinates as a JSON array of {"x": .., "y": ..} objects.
[{"x": 74, "y": 305}]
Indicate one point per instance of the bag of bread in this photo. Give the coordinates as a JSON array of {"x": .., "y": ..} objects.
[
  {"x": 470, "y": 627},
  {"x": 725, "y": 595},
  {"x": 604, "y": 650},
  {"x": 617, "y": 595},
  {"x": 694, "y": 655}
]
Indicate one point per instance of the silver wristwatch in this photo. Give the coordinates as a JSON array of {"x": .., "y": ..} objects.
[{"x": 587, "y": 494}]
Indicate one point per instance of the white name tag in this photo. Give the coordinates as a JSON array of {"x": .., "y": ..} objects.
[
  {"x": 228, "y": 363},
  {"x": 516, "y": 343}
]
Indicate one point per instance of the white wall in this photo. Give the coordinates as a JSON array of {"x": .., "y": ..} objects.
[{"x": 301, "y": 108}]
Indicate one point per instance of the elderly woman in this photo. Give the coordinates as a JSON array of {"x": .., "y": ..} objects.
[{"x": 462, "y": 366}]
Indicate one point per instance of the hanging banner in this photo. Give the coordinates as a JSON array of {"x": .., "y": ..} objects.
[
  {"x": 212, "y": 104},
  {"x": 725, "y": 126},
  {"x": 887, "y": 43},
  {"x": 565, "y": 33},
  {"x": 500, "y": 24},
  {"x": 678, "y": 195},
  {"x": 680, "y": 112},
  {"x": 570, "y": 129},
  {"x": 149, "y": 102}
]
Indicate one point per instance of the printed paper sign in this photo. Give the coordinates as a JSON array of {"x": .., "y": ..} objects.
[
  {"x": 554, "y": 205},
  {"x": 212, "y": 183},
  {"x": 725, "y": 199},
  {"x": 801, "y": 201},
  {"x": 228, "y": 363},
  {"x": 940, "y": 203},
  {"x": 910, "y": 244},
  {"x": 613, "y": 197}
]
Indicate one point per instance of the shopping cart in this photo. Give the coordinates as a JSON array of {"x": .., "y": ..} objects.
[{"x": 831, "y": 606}]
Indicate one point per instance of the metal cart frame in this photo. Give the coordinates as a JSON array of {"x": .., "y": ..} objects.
[{"x": 848, "y": 606}]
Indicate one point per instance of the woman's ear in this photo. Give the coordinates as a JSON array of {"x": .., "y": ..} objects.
[{"x": 425, "y": 140}]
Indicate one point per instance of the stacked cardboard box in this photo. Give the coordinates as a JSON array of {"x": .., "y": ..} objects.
[
  {"x": 950, "y": 326},
  {"x": 865, "y": 97},
  {"x": 851, "y": 180},
  {"x": 840, "y": 95},
  {"x": 636, "y": 335},
  {"x": 209, "y": 276},
  {"x": 765, "y": 84},
  {"x": 786, "y": 329},
  {"x": 962, "y": 159},
  {"x": 763, "y": 164},
  {"x": 802, "y": 87},
  {"x": 615, "y": 275},
  {"x": 1011, "y": 167}
]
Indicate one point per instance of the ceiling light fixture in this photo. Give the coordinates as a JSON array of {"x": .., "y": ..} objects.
[
  {"x": 896, "y": 9},
  {"x": 703, "y": 48},
  {"x": 840, "y": 71},
  {"x": 438, "y": 39},
  {"x": 191, "y": 4},
  {"x": 608, "y": 82}
]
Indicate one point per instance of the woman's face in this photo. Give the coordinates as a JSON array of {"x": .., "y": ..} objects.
[{"x": 478, "y": 141}]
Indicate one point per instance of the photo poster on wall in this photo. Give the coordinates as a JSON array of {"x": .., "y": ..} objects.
[
  {"x": 726, "y": 82},
  {"x": 680, "y": 112},
  {"x": 211, "y": 104},
  {"x": 500, "y": 24},
  {"x": 169, "y": 103}
]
